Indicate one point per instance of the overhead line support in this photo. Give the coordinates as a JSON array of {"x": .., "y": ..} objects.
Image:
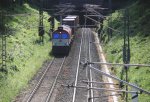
[{"x": 3, "y": 36}]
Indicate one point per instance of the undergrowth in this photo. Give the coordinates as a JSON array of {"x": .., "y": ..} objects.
[
  {"x": 25, "y": 53},
  {"x": 139, "y": 45}
]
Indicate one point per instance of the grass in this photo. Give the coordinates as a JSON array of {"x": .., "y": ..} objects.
[
  {"x": 139, "y": 44},
  {"x": 25, "y": 53}
]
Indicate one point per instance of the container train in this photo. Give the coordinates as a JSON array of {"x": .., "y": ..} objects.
[{"x": 63, "y": 36}]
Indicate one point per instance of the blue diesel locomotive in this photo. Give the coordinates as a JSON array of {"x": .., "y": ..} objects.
[{"x": 62, "y": 37}]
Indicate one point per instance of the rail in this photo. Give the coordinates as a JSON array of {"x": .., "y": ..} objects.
[
  {"x": 40, "y": 81},
  {"x": 54, "y": 83},
  {"x": 77, "y": 72},
  {"x": 49, "y": 94}
]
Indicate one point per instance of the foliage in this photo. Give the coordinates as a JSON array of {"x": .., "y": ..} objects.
[
  {"x": 25, "y": 53},
  {"x": 139, "y": 44}
]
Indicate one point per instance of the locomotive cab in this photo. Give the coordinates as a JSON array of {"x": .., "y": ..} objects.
[
  {"x": 63, "y": 36},
  {"x": 61, "y": 40}
]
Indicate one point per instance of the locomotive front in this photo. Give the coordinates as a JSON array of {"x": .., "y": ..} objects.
[{"x": 61, "y": 40}]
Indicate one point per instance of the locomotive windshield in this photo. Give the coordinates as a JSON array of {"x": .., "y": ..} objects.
[
  {"x": 56, "y": 36},
  {"x": 65, "y": 36},
  {"x": 60, "y": 36}
]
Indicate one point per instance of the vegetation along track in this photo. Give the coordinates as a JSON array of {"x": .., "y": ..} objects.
[{"x": 45, "y": 87}]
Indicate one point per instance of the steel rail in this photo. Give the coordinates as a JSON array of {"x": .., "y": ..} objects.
[
  {"x": 86, "y": 57},
  {"x": 77, "y": 72},
  {"x": 114, "y": 77},
  {"x": 90, "y": 73},
  {"x": 54, "y": 82},
  {"x": 85, "y": 47},
  {"x": 86, "y": 54},
  {"x": 40, "y": 81}
]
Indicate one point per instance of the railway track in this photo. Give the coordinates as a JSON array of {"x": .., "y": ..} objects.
[
  {"x": 84, "y": 55},
  {"x": 49, "y": 89},
  {"x": 87, "y": 52},
  {"x": 43, "y": 90}
]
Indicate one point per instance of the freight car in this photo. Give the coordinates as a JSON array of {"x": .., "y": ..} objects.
[
  {"x": 72, "y": 21},
  {"x": 63, "y": 36}
]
